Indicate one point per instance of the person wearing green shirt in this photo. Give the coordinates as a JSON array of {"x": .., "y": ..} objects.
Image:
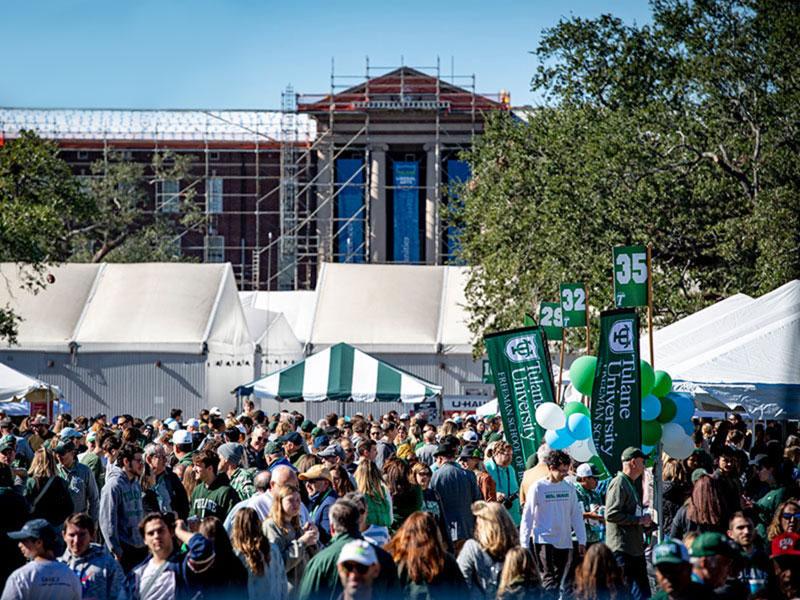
[
  {"x": 93, "y": 458},
  {"x": 213, "y": 496},
  {"x": 231, "y": 455},
  {"x": 586, "y": 486},
  {"x": 321, "y": 578},
  {"x": 626, "y": 521}
]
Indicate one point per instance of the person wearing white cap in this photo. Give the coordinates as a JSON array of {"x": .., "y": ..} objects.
[
  {"x": 593, "y": 504},
  {"x": 358, "y": 568},
  {"x": 184, "y": 448}
]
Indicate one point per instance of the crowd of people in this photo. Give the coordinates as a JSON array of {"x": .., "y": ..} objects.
[{"x": 275, "y": 506}]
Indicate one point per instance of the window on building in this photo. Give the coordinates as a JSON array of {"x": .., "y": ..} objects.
[
  {"x": 214, "y": 203},
  {"x": 215, "y": 249},
  {"x": 168, "y": 197}
]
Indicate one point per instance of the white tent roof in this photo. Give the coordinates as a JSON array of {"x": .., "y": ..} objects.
[
  {"x": 146, "y": 307},
  {"x": 272, "y": 332},
  {"x": 392, "y": 308},
  {"x": 297, "y": 307},
  {"x": 706, "y": 335},
  {"x": 16, "y": 386},
  {"x": 745, "y": 357}
]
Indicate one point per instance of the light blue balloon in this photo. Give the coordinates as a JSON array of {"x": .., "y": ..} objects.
[
  {"x": 651, "y": 408},
  {"x": 558, "y": 439},
  {"x": 684, "y": 404},
  {"x": 579, "y": 426},
  {"x": 648, "y": 449}
]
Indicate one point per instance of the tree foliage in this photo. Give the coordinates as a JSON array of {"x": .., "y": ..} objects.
[
  {"x": 48, "y": 216},
  {"x": 682, "y": 133}
]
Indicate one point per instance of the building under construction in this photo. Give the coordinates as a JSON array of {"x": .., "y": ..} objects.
[{"x": 360, "y": 173}]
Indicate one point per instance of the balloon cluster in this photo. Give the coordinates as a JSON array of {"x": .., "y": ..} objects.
[{"x": 666, "y": 415}]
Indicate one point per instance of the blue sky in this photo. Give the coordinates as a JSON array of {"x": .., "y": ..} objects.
[{"x": 242, "y": 53}]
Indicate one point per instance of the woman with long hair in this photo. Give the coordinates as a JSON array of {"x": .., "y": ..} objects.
[
  {"x": 707, "y": 509},
  {"x": 518, "y": 580},
  {"x": 46, "y": 492},
  {"x": 676, "y": 490},
  {"x": 406, "y": 494},
  {"x": 599, "y": 577},
  {"x": 481, "y": 558},
  {"x": 785, "y": 520},
  {"x": 282, "y": 527},
  {"x": 379, "y": 500},
  {"x": 342, "y": 484},
  {"x": 431, "y": 500},
  {"x": 227, "y": 570},
  {"x": 266, "y": 573},
  {"x": 424, "y": 567}
]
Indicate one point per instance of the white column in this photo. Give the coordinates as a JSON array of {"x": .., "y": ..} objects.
[
  {"x": 431, "y": 205},
  {"x": 377, "y": 198}
]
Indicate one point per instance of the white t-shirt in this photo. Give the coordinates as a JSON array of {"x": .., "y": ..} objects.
[
  {"x": 162, "y": 588},
  {"x": 43, "y": 580},
  {"x": 552, "y": 512}
]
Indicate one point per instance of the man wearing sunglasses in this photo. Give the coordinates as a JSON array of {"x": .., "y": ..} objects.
[{"x": 358, "y": 568}]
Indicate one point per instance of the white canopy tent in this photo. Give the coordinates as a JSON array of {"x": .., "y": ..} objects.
[{"x": 743, "y": 353}]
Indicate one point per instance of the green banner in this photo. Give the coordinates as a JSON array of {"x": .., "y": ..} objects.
[
  {"x": 616, "y": 394},
  {"x": 550, "y": 319},
  {"x": 573, "y": 304},
  {"x": 521, "y": 369},
  {"x": 630, "y": 276}
]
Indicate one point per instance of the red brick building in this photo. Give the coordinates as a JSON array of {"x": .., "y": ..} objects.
[{"x": 359, "y": 174}]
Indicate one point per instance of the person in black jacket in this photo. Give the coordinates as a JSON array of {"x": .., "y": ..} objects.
[
  {"x": 168, "y": 489},
  {"x": 13, "y": 515},
  {"x": 47, "y": 492}
]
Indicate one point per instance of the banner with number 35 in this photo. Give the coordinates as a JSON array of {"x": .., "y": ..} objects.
[{"x": 630, "y": 276}]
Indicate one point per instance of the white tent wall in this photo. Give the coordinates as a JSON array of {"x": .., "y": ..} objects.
[{"x": 114, "y": 383}]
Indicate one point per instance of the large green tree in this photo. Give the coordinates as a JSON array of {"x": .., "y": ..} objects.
[{"x": 682, "y": 133}]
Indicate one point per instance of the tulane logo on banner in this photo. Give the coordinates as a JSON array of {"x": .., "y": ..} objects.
[
  {"x": 520, "y": 366},
  {"x": 522, "y": 348},
  {"x": 616, "y": 392},
  {"x": 620, "y": 338}
]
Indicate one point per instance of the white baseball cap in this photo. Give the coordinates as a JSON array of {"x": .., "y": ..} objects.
[
  {"x": 193, "y": 423},
  {"x": 182, "y": 437},
  {"x": 360, "y": 552},
  {"x": 469, "y": 436},
  {"x": 216, "y": 411},
  {"x": 586, "y": 470}
]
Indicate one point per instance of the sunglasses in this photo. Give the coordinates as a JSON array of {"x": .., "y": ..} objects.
[
  {"x": 791, "y": 516},
  {"x": 357, "y": 567}
]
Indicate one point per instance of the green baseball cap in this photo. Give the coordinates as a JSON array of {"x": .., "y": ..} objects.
[
  {"x": 670, "y": 552},
  {"x": 273, "y": 448},
  {"x": 631, "y": 452},
  {"x": 698, "y": 473},
  {"x": 712, "y": 543},
  {"x": 8, "y": 441}
]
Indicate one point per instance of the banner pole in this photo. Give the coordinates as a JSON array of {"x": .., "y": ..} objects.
[
  {"x": 560, "y": 369},
  {"x": 658, "y": 466}
]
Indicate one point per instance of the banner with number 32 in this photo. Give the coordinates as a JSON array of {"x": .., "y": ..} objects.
[{"x": 630, "y": 276}]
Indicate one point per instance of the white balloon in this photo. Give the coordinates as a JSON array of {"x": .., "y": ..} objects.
[
  {"x": 581, "y": 450},
  {"x": 550, "y": 416},
  {"x": 672, "y": 434},
  {"x": 681, "y": 448}
]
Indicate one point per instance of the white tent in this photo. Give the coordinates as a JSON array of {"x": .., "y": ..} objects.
[
  {"x": 15, "y": 386},
  {"x": 744, "y": 353}
]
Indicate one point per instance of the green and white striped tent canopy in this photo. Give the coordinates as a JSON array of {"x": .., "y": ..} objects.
[{"x": 342, "y": 373}]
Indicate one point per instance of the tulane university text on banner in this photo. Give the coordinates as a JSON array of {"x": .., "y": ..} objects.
[
  {"x": 616, "y": 393},
  {"x": 521, "y": 369}
]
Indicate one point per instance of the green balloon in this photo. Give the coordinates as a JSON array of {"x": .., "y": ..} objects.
[
  {"x": 581, "y": 374},
  {"x": 648, "y": 379},
  {"x": 651, "y": 432},
  {"x": 570, "y": 408},
  {"x": 668, "y": 410},
  {"x": 663, "y": 384}
]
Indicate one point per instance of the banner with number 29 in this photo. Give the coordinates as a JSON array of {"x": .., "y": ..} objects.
[{"x": 630, "y": 276}]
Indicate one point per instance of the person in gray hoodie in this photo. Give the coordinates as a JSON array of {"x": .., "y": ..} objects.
[
  {"x": 80, "y": 479},
  {"x": 121, "y": 508},
  {"x": 100, "y": 574}
]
